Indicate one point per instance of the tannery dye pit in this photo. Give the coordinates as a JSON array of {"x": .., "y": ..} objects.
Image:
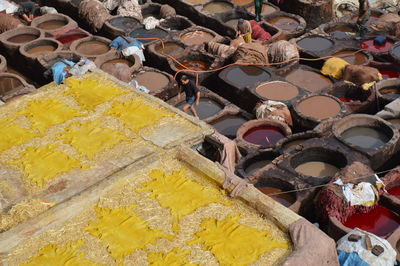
[
  {"x": 365, "y": 137},
  {"x": 352, "y": 57},
  {"x": 91, "y": 48},
  {"x": 315, "y": 44},
  {"x": 317, "y": 169},
  {"x": 196, "y": 37},
  {"x": 278, "y": 91},
  {"x": 52, "y": 24},
  {"x": 308, "y": 80},
  {"x": 41, "y": 50},
  {"x": 217, "y": 7},
  {"x": 264, "y": 136},
  {"x": 23, "y": 38},
  {"x": 207, "y": 108},
  {"x": 242, "y": 76},
  {"x": 228, "y": 125},
  {"x": 284, "y": 23},
  {"x": 319, "y": 107},
  {"x": 153, "y": 81}
]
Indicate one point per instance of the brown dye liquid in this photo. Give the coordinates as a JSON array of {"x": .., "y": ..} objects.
[
  {"x": 253, "y": 167},
  {"x": 196, "y": 37},
  {"x": 242, "y": 76},
  {"x": 341, "y": 32},
  {"x": 171, "y": 49},
  {"x": 315, "y": 44},
  {"x": 153, "y": 81},
  {"x": 242, "y": 2},
  {"x": 277, "y": 90},
  {"x": 93, "y": 48},
  {"x": 41, "y": 50},
  {"x": 285, "y": 23},
  {"x": 122, "y": 61},
  {"x": 8, "y": 84},
  {"x": 196, "y": 2},
  {"x": 266, "y": 9},
  {"x": 308, "y": 80},
  {"x": 228, "y": 125},
  {"x": 217, "y": 7},
  {"x": 320, "y": 107},
  {"x": 317, "y": 169},
  {"x": 23, "y": 38},
  {"x": 193, "y": 65},
  {"x": 392, "y": 92},
  {"x": 206, "y": 108},
  {"x": 293, "y": 143},
  {"x": 286, "y": 199},
  {"x": 52, "y": 24},
  {"x": 232, "y": 23},
  {"x": 351, "y": 58}
]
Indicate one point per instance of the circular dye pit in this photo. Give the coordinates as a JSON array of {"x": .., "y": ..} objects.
[
  {"x": 92, "y": 48},
  {"x": 65, "y": 39},
  {"x": 264, "y": 136},
  {"x": 315, "y": 43},
  {"x": 41, "y": 50},
  {"x": 153, "y": 33},
  {"x": 286, "y": 199},
  {"x": 52, "y": 24},
  {"x": 365, "y": 137},
  {"x": 368, "y": 45},
  {"x": 292, "y": 143},
  {"x": 317, "y": 169},
  {"x": 277, "y": 90},
  {"x": 242, "y": 76},
  {"x": 284, "y": 23},
  {"x": 351, "y": 57},
  {"x": 228, "y": 125},
  {"x": 392, "y": 92},
  {"x": 153, "y": 81},
  {"x": 379, "y": 221},
  {"x": 342, "y": 32},
  {"x": 395, "y": 191},
  {"x": 207, "y": 107},
  {"x": 389, "y": 74},
  {"x": 196, "y": 37},
  {"x": 255, "y": 166},
  {"x": 8, "y": 84},
  {"x": 308, "y": 80},
  {"x": 116, "y": 61},
  {"x": 242, "y": 2},
  {"x": 23, "y": 38},
  {"x": 232, "y": 23},
  {"x": 266, "y": 10},
  {"x": 319, "y": 107},
  {"x": 197, "y": 65},
  {"x": 217, "y": 7},
  {"x": 125, "y": 24},
  {"x": 171, "y": 49}
]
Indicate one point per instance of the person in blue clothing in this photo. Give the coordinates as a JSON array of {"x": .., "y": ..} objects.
[
  {"x": 26, "y": 10},
  {"x": 60, "y": 70},
  {"x": 192, "y": 95},
  {"x": 128, "y": 46}
]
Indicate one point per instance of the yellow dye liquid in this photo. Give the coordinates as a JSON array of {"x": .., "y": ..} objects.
[
  {"x": 180, "y": 194},
  {"x": 89, "y": 93},
  {"x": 225, "y": 239},
  {"x": 122, "y": 231},
  {"x": 13, "y": 135},
  {"x": 46, "y": 113},
  {"x": 175, "y": 257},
  {"x": 67, "y": 255},
  {"x": 90, "y": 138},
  {"x": 44, "y": 163},
  {"x": 136, "y": 114}
]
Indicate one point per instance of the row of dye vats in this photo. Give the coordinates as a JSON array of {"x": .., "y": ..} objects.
[{"x": 312, "y": 97}]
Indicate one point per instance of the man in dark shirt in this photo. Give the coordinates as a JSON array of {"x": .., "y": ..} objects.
[
  {"x": 27, "y": 10},
  {"x": 192, "y": 95}
]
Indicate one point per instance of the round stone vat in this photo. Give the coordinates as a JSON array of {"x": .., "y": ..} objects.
[
  {"x": 261, "y": 134},
  {"x": 267, "y": 9},
  {"x": 12, "y": 85},
  {"x": 208, "y": 108},
  {"x": 317, "y": 165},
  {"x": 253, "y": 162},
  {"x": 197, "y": 36},
  {"x": 54, "y": 23},
  {"x": 120, "y": 25},
  {"x": 355, "y": 99},
  {"x": 148, "y": 36},
  {"x": 341, "y": 30},
  {"x": 133, "y": 61},
  {"x": 161, "y": 84},
  {"x": 311, "y": 110},
  {"x": 40, "y": 47},
  {"x": 291, "y": 25},
  {"x": 3, "y": 64},
  {"x": 217, "y": 7},
  {"x": 229, "y": 124},
  {"x": 13, "y": 39},
  {"x": 158, "y": 53},
  {"x": 315, "y": 45},
  {"x": 308, "y": 79},
  {"x": 354, "y": 56},
  {"x": 69, "y": 37},
  {"x": 176, "y": 23},
  {"x": 295, "y": 141},
  {"x": 277, "y": 91},
  {"x": 151, "y": 10},
  {"x": 91, "y": 47},
  {"x": 395, "y": 52},
  {"x": 368, "y": 134}
]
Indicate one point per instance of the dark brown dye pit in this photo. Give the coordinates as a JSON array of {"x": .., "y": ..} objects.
[
  {"x": 264, "y": 136},
  {"x": 93, "y": 48},
  {"x": 319, "y": 107},
  {"x": 285, "y": 23},
  {"x": 171, "y": 49},
  {"x": 352, "y": 58},
  {"x": 8, "y": 84},
  {"x": 193, "y": 65},
  {"x": 196, "y": 37},
  {"x": 286, "y": 199},
  {"x": 365, "y": 137},
  {"x": 153, "y": 81},
  {"x": 308, "y": 80},
  {"x": 293, "y": 143},
  {"x": 266, "y": 9},
  {"x": 52, "y": 24},
  {"x": 23, "y": 38},
  {"x": 392, "y": 92},
  {"x": 41, "y": 50},
  {"x": 153, "y": 33},
  {"x": 242, "y": 76},
  {"x": 125, "y": 24},
  {"x": 207, "y": 107},
  {"x": 228, "y": 125},
  {"x": 342, "y": 32},
  {"x": 277, "y": 90},
  {"x": 116, "y": 61},
  {"x": 317, "y": 169},
  {"x": 315, "y": 44},
  {"x": 217, "y": 7},
  {"x": 255, "y": 166}
]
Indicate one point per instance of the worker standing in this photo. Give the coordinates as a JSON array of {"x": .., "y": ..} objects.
[
  {"x": 363, "y": 16},
  {"x": 258, "y": 9},
  {"x": 192, "y": 95}
]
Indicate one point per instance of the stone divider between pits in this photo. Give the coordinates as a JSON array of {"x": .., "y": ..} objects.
[
  {"x": 17, "y": 86},
  {"x": 3, "y": 64},
  {"x": 10, "y": 48},
  {"x": 391, "y": 85},
  {"x": 55, "y": 31},
  {"x": 120, "y": 25},
  {"x": 288, "y": 34},
  {"x": 378, "y": 155},
  {"x": 75, "y": 46},
  {"x": 295, "y": 142},
  {"x": 31, "y": 59}
]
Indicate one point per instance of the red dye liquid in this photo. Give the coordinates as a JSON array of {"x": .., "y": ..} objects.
[
  {"x": 380, "y": 221},
  {"x": 347, "y": 99},
  {"x": 263, "y": 135},
  {"x": 70, "y": 38},
  {"x": 387, "y": 74},
  {"x": 395, "y": 191},
  {"x": 369, "y": 45}
]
